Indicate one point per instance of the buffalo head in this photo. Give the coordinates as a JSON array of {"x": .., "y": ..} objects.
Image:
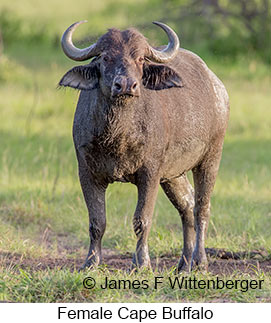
[{"x": 123, "y": 62}]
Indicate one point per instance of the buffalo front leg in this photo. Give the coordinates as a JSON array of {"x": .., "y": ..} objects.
[
  {"x": 94, "y": 195},
  {"x": 181, "y": 194},
  {"x": 147, "y": 193},
  {"x": 204, "y": 181}
]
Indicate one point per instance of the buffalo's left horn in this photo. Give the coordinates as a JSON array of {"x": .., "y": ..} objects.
[
  {"x": 168, "y": 53},
  {"x": 73, "y": 52}
]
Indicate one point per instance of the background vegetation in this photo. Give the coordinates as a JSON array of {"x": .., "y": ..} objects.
[{"x": 42, "y": 213}]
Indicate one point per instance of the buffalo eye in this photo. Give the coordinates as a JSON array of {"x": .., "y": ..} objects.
[
  {"x": 141, "y": 60},
  {"x": 106, "y": 58}
]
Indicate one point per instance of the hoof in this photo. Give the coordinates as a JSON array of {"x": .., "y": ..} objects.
[
  {"x": 184, "y": 265},
  {"x": 199, "y": 263},
  {"x": 203, "y": 267},
  {"x": 140, "y": 264},
  {"x": 92, "y": 261},
  {"x": 88, "y": 266}
]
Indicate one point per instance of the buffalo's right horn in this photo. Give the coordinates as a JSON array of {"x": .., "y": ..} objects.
[{"x": 73, "y": 52}]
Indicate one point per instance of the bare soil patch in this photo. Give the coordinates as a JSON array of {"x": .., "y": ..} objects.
[{"x": 219, "y": 262}]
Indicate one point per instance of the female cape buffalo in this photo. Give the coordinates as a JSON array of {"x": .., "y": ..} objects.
[{"x": 147, "y": 116}]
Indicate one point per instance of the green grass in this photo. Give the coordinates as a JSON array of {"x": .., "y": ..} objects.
[
  {"x": 41, "y": 204},
  {"x": 64, "y": 286}
]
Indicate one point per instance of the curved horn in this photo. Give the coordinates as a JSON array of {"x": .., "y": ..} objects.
[
  {"x": 73, "y": 52},
  {"x": 168, "y": 53}
]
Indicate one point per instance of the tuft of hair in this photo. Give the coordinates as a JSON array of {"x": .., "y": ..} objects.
[{"x": 116, "y": 40}]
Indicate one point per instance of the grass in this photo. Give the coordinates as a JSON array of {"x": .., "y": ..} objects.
[
  {"x": 64, "y": 286},
  {"x": 41, "y": 205}
]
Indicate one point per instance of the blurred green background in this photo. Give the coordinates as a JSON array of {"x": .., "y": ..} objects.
[{"x": 217, "y": 27}]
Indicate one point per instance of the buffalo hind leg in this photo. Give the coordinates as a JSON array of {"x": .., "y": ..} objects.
[
  {"x": 147, "y": 192},
  {"x": 204, "y": 181},
  {"x": 94, "y": 195},
  {"x": 181, "y": 194}
]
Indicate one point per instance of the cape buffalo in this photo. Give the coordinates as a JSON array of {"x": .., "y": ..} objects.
[{"x": 147, "y": 116}]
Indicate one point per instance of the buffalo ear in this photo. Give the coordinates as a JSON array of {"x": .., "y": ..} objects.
[
  {"x": 84, "y": 77},
  {"x": 160, "y": 77}
]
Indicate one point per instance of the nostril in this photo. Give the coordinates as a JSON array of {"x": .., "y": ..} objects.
[
  {"x": 134, "y": 86},
  {"x": 117, "y": 86}
]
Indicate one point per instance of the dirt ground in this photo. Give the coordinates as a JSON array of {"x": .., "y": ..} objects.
[{"x": 220, "y": 262}]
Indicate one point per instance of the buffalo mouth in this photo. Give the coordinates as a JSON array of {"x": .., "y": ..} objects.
[
  {"x": 123, "y": 98},
  {"x": 125, "y": 95}
]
